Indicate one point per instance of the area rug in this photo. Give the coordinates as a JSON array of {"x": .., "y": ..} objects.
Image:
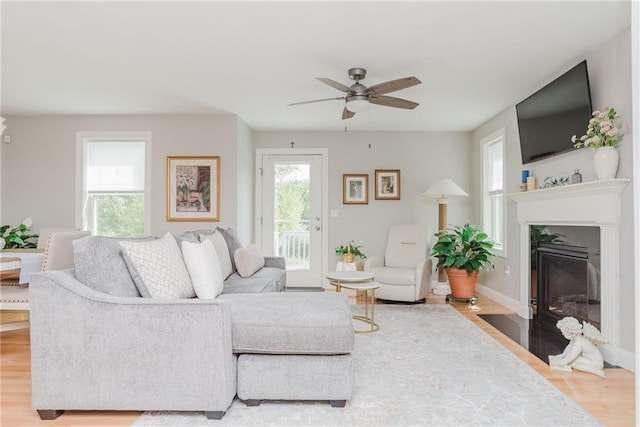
[{"x": 427, "y": 365}]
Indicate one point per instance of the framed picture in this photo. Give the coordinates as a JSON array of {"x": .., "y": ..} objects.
[
  {"x": 193, "y": 188},
  {"x": 355, "y": 189},
  {"x": 387, "y": 184}
]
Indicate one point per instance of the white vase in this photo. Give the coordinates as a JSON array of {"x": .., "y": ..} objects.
[{"x": 605, "y": 162}]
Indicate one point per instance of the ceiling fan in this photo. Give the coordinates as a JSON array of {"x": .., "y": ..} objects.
[{"x": 358, "y": 96}]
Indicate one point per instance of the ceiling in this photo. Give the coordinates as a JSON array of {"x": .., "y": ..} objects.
[{"x": 253, "y": 58}]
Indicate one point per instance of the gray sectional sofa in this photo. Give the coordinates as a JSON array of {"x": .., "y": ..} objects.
[{"x": 97, "y": 345}]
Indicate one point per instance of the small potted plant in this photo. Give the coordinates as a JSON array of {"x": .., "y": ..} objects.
[
  {"x": 349, "y": 251},
  {"x": 463, "y": 251}
]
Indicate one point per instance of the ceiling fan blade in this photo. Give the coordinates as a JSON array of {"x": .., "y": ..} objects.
[
  {"x": 393, "y": 85},
  {"x": 334, "y": 84},
  {"x": 316, "y": 100},
  {"x": 346, "y": 114},
  {"x": 390, "y": 101}
]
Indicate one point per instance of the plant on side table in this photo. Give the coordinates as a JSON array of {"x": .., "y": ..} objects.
[
  {"x": 349, "y": 251},
  {"x": 17, "y": 237},
  {"x": 463, "y": 251}
]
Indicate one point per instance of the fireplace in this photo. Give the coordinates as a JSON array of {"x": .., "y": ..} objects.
[
  {"x": 567, "y": 285},
  {"x": 595, "y": 204}
]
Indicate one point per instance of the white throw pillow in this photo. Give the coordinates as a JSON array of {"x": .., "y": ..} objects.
[
  {"x": 248, "y": 260},
  {"x": 157, "y": 268},
  {"x": 223, "y": 252},
  {"x": 204, "y": 268}
]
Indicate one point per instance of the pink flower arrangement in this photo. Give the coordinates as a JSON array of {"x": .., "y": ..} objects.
[{"x": 604, "y": 130}]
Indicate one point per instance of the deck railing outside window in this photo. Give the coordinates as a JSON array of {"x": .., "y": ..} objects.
[{"x": 293, "y": 245}]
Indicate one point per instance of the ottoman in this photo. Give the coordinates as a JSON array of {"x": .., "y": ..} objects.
[{"x": 292, "y": 346}]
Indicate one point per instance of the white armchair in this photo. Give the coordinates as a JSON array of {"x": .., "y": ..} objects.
[
  {"x": 404, "y": 273},
  {"x": 58, "y": 255},
  {"x": 58, "y": 250}
]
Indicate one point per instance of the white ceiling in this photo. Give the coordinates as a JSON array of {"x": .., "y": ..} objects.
[{"x": 252, "y": 59}]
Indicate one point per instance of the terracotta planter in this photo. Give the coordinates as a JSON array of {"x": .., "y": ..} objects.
[{"x": 463, "y": 284}]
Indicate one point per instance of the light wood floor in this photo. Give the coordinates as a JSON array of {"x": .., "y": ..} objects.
[{"x": 611, "y": 400}]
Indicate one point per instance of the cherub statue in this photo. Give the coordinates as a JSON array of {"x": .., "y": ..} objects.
[{"x": 582, "y": 352}]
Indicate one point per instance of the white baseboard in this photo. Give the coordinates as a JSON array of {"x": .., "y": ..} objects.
[
  {"x": 619, "y": 357},
  {"x": 510, "y": 303}
]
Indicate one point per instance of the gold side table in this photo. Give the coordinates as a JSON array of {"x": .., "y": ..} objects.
[{"x": 358, "y": 281}]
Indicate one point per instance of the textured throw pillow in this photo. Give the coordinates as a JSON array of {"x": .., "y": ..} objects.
[
  {"x": 248, "y": 260},
  {"x": 157, "y": 268},
  {"x": 233, "y": 243},
  {"x": 222, "y": 250},
  {"x": 99, "y": 264},
  {"x": 204, "y": 268}
]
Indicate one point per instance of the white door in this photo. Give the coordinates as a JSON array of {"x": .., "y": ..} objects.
[{"x": 291, "y": 223}]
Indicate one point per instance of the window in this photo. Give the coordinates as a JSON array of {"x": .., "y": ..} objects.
[
  {"x": 493, "y": 199},
  {"x": 114, "y": 183}
]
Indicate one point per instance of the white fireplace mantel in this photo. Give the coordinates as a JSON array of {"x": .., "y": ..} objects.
[
  {"x": 588, "y": 203},
  {"x": 594, "y": 203}
]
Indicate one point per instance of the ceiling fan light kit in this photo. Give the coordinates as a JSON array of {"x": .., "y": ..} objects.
[
  {"x": 357, "y": 103},
  {"x": 358, "y": 97}
]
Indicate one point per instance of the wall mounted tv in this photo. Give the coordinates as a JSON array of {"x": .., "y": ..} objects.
[{"x": 550, "y": 117}]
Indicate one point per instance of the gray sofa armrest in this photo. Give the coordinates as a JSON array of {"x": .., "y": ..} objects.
[
  {"x": 275, "y": 261},
  {"x": 91, "y": 350}
]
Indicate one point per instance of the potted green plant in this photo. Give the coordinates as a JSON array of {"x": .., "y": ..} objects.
[
  {"x": 349, "y": 251},
  {"x": 18, "y": 237},
  {"x": 463, "y": 250}
]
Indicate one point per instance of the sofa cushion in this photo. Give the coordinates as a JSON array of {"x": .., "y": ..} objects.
[
  {"x": 290, "y": 323},
  {"x": 238, "y": 285},
  {"x": 187, "y": 236},
  {"x": 233, "y": 243},
  {"x": 157, "y": 268},
  {"x": 99, "y": 265},
  {"x": 267, "y": 279},
  {"x": 222, "y": 250},
  {"x": 248, "y": 260},
  {"x": 204, "y": 268}
]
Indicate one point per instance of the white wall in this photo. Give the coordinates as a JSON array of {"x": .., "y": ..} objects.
[
  {"x": 38, "y": 168},
  {"x": 422, "y": 157},
  {"x": 245, "y": 183},
  {"x": 609, "y": 69}
]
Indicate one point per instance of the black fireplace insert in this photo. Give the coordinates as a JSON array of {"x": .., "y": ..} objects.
[{"x": 566, "y": 285}]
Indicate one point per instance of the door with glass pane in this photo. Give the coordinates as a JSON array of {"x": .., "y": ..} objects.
[{"x": 291, "y": 220}]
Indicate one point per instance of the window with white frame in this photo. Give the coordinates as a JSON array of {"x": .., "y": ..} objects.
[
  {"x": 493, "y": 197},
  {"x": 114, "y": 185}
]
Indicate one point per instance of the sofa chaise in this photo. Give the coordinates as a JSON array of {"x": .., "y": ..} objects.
[{"x": 97, "y": 345}]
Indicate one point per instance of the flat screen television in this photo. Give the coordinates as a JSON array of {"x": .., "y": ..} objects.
[{"x": 550, "y": 117}]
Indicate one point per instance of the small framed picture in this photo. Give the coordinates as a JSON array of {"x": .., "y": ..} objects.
[
  {"x": 193, "y": 188},
  {"x": 355, "y": 189},
  {"x": 387, "y": 184}
]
